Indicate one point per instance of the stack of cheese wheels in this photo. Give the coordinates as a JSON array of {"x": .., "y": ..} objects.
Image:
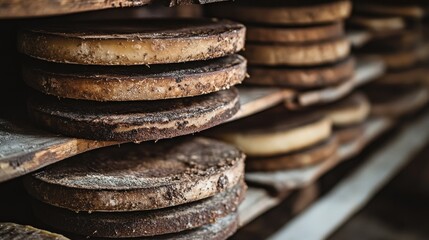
[
  {"x": 348, "y": 116},
  {"x": 398, "y": 40},
  {"x": 133, "y": 80},
  {"x": 277, "y": 139},
  {"x": 298, "y": 44},
  {"x": 183, "y": 188}
]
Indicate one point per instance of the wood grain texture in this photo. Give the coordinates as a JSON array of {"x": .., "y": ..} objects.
[{"x": 24, "y": 149}]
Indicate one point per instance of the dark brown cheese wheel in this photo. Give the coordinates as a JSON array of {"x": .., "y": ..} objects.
[
  {"x": 302, "y": 54},
  {"x": 302, "y": 77},
  {"x": 133, "y": 121},
  {"x": 134, "y": 42},
  {"x": 140, "y": 177},
  {"x": 130, "y": 83},
  {"x": 396, "y": 101},
  {"x": 222, "y": 229},
  {"x": 284, "y": 12},
  {"x": 278, "y": 34},
  {"x": 302, "y": 158},
  {"x": 143, "y": 223}
]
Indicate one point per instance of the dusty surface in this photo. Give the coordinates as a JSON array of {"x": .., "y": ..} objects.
[
  {"x": 129, "y": 83},
  {"x": 150, "y": 41},
  {"x": 294, "y": 34},
  {"x": 140, "y": 177},
  {"x": 144, "y": 223},
  {"x": 284, "y": 12},
  {"x": 133, "y": 121},
  {"x": 307, "y": 54},
  {"x": 302, "y": 77}
]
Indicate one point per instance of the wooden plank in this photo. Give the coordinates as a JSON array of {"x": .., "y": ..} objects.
[
  {"x": 25, "y": 149},
  {"x": 257, "y": 201},
  {"x": 368, "y": 69},
  {"x": 256, "y": 99},
  {"x": 358, "y": 38},
  {"x": 356, "y": 190},
  {"x": 298, "y": 178}
]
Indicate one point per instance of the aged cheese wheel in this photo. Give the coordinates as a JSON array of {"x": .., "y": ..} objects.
[
  {"x": 302, "y": 78},
  {"x": 129, "y": 83},
  {"x": 377, "y": 23},
  {"x": 143, "y": 223},
  {"x": 404, "y": 9},
  {"x": 396, "y": 101},
  {"x": 399, "y": 59},
  {"x": 408, "y": 76},
  {"x": 21, "y": 232},
  {"x": 140, "y": 177},
  {"x": 305, "y": 54},
  {"x": 301, "y": 158},
  {"x": 395, "y": 41},
  {"x": 351, "y": 110},
  {"x": 276, "y": 131},
  {"x": 283, "y": 12},
  {"x": 280, "y": 34},
  {"x": 134, "y": 42},
  {"x": 133, "y": 121}
]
